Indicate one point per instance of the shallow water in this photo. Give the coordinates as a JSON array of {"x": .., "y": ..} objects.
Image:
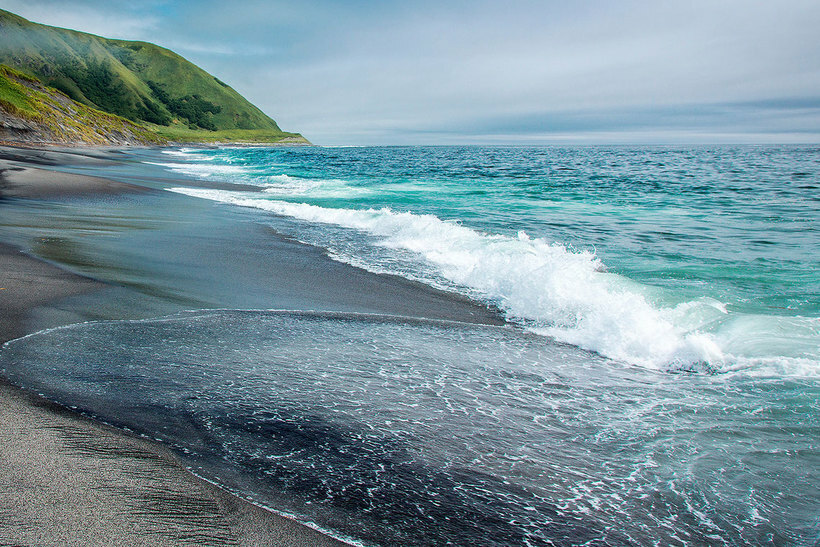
[
  {"x": 657, "y": 384},
  {"x": 666, "y": 257},
  {"x": 420, "y": 432}
]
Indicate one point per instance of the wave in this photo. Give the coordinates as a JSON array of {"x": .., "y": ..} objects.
[
  {"x": 285, "y": 185},
  {"x": 280, "y": 184},
  {"x": 186, "y": 153},
  {"x": 207, "y": 171},
  {"x": 565, "y": 293}
]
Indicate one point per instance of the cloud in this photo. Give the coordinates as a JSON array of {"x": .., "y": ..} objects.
[
  {"x": 388, "y": 72},
  {"x": 126, "y": 20},
  {"x": 451, "y": 69}
]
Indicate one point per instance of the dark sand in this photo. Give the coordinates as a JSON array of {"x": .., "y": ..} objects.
[
  {"x": 26, "y": 283},
  {"x": 67, "y": 480},
  {"x": 20, "y": 179}
]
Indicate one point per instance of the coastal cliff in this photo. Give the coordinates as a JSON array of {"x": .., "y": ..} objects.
[
  {"x": 32, "y": 113},
  {"x": 117, "y": 92}
]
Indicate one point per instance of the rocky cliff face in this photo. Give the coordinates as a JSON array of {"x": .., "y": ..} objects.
[
  {"x": 30, "y": 112},
  {"x": 15, "y": 130}
]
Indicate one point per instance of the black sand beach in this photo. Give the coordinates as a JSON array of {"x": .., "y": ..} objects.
[{"x": 66, "y": 479}]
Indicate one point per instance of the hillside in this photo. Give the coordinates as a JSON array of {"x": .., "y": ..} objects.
[
  {"x": 33, "y": 113},
  {"x": 139, "y": 81}
]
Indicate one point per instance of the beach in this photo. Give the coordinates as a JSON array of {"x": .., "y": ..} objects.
[
  {"x": 408, "y": 345},
  {"x": 495, "y": 275},
  {"x": 67, "y": 479}
]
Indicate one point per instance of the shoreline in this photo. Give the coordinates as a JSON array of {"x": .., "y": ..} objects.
[
  {"x": 66, "y": 478},
  {"x": 70, "y": 479},
  {"x": 379, "y": 435}
]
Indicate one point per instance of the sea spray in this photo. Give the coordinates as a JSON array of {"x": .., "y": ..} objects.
[
  {"x": 545, "y": 286},
  {"x": 656, "y": 260}
]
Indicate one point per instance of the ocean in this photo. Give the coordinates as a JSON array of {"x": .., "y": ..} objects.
[
  {"x": 673, "y": 259},
  {"x": 656, "y": 380}
]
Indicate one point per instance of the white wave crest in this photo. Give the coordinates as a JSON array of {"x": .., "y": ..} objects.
[
  {"x": 566, "y": 294},
  {"x": 205, "y": 171},
  {"x": 285, "y": 185},
  {"x": 186, "y": 153},
  {"x": 281, "y": 184}
]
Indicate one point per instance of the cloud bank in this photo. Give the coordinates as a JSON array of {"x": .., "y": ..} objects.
[{"x": 366, "y": 72}]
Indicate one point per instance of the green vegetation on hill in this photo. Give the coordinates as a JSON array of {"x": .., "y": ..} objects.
[
  {"x": 32, "y": 112},
  {"x": 13, "y": 95},
  {"x": 250, "y": 136},
  {"x": 139, "y": 81}
]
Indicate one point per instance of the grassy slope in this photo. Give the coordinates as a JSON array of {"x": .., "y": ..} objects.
[
  {"x": 114, "y": 76},
  {"x": 179, "y": 77},
  {"x": 54, "y": 117},
  {"x": 183, "y": 134},
  {"x": 14, "y": 97}
]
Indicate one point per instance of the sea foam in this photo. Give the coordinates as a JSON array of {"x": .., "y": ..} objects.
[
  {"x": 206, "y": 171},
  {"x": 280, "y": 184},
  {"x": 556, "y": 291}
]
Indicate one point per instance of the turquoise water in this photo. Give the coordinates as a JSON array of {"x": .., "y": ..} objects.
[
  {"x": 658, "y": 381},
  {"x": 672, "y": 258}
]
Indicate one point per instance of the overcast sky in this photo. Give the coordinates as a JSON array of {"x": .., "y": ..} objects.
[{"x": 447, "y": 72}]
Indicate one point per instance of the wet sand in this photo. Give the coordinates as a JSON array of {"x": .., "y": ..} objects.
[
  {"x": 66, "y": 479},
  {"x": 22, "y": 175},
  {"x": 26, "y": 283}
]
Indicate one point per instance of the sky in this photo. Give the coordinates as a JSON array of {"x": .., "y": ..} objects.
[{"x": 361, "y": 72}]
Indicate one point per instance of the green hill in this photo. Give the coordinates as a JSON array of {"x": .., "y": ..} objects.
[
  {"x": 139, "y": 81},
  {"x": 31, "y": 112}
]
